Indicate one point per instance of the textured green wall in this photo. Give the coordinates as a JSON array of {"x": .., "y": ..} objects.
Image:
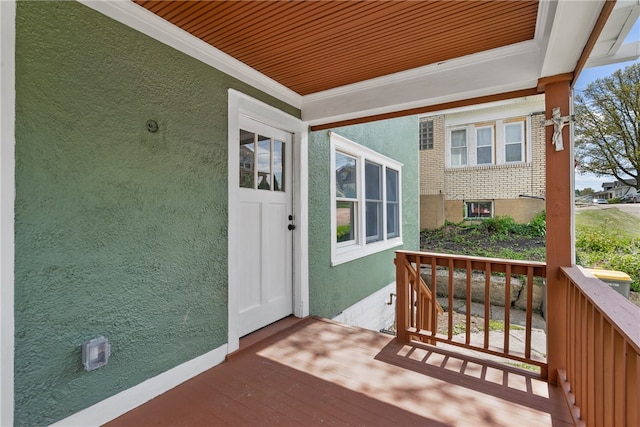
[
  {"x": 332, "y": 289},
  {"x": 119, "y": 231}
]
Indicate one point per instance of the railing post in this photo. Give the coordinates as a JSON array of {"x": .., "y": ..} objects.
[{"x": 402, "y": 298}]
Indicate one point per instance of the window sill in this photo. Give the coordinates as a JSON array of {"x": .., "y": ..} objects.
[
  {"x": 481, "y": 167},
  {"x": 350, "y": 253}
]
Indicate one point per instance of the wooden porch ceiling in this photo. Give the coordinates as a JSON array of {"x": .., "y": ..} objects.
[
  {"x": 313, "y": 46},
  {"x": 319, "y": 372}
]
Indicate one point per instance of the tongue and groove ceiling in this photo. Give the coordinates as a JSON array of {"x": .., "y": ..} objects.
[{"x": 313, "y": 46}]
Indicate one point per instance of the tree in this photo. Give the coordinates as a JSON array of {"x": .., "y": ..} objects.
[{"x": 608, "y": 126}]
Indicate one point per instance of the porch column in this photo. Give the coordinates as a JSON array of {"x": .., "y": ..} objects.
[{"x": 559, "y": 179}]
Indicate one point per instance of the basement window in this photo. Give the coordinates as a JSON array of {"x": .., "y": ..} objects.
[{"x": 478, "y": 209}]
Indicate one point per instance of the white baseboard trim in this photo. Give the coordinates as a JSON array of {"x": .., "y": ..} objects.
[
  {"x": 372, "y": 312},
  {"x": 116, "y": 405}
]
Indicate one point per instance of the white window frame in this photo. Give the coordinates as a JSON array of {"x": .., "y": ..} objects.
[
  {"x": 450, "y": 146},
  {"x": 522, "y": 142},
  {"x": 478, "y": 128},
  {"x": 347, "y": 251}
]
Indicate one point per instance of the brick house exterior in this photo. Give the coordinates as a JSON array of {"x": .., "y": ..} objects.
[{"x": 478, "y": 179}]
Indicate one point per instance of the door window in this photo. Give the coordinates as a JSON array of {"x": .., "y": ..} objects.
[{"x": 262, "y": 161}]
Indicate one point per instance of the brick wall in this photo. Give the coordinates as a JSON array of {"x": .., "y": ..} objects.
[{"x": 538, "y": 176}]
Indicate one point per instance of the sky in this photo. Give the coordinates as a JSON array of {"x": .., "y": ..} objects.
[{"x": 587, "y": 76}]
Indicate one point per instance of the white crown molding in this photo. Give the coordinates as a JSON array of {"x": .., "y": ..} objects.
[{"x": 140, "y": 19}]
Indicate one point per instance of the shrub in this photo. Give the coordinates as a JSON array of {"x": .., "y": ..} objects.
[
  {"x": 538, "y": 225},
  {"x": 500, "y": 225}
]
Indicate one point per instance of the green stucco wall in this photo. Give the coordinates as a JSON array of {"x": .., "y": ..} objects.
[
  {"x": 332, "y": 289},
  {"x": 119, "y": 232}
]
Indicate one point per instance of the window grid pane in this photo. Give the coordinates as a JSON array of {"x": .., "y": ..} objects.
[
  {"x": 345, "y": 221},
  {"x": 513, "y": 153},
  {"x": 346, "y": 176},
  {"x": 459, "y": 147},
  {"x": 264, "y": 163},
  {"x": 278, "y": 165},
  {"x": 393, "y": 204},
  {"x": 373, "y": 190},
  {"x": 247, "y": 159}
]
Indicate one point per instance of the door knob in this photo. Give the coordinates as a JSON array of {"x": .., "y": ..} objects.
[{"x": 291, "y": 227}]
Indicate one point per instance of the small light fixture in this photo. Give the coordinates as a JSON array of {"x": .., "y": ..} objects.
[{"x": 95, "y": 353}]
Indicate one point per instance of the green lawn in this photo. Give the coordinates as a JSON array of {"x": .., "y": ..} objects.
[
  {"x": 615, "y": 220},
  {"x": 609, "y": 238}
]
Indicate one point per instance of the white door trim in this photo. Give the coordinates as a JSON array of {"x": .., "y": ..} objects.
[
  {"x": 241, "y": 104},
  {"x": 7, "y": 200}
]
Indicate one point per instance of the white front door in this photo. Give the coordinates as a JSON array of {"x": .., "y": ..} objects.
[{"x": 265, "y": 219}]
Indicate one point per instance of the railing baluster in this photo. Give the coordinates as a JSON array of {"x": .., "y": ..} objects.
[
  {"x": 487, "y": 302},
  {"x": 580, "y": 365},
  {"x": 590, "y": 356},
  {"x": 450, "y": 300},
  {"x": 529, "y": 313},
  {"x": 619, "y": 380},
  {"x": 599, "y": 373},
  {"x": 434, "y": 296},
  {"x": 418, "y": 303},
  {"x": 468, "y": 307},
  {"x": 609, "y": 387},
  {"x": 632, "y": 387},
  {"x": 507, "y": 307}
]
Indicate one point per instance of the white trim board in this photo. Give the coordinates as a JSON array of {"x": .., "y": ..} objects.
[
  {"x": 123, "y": 402},
  {"x": 241, "y": 104},
  {"x": 7, "y": 201}
]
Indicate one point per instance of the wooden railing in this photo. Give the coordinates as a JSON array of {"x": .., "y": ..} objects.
[
  {"x": 417, "y": 310},
  {"x": 602, "y": 379}
]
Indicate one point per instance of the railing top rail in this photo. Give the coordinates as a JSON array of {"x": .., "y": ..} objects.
[
  {"x": 476, "y": 259},
  {"x": 618, "y": 310}
]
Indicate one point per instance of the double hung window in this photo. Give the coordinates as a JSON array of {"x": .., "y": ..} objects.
[
  {"x": 514, "y": 142},
  {"x": 366, "y": 193},
  {"x": 484, "y": 145},
  {"x": 459, "y": 147}
]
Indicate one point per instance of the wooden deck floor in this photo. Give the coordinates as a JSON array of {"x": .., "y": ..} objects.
[{"x": 319, "y": 372}]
